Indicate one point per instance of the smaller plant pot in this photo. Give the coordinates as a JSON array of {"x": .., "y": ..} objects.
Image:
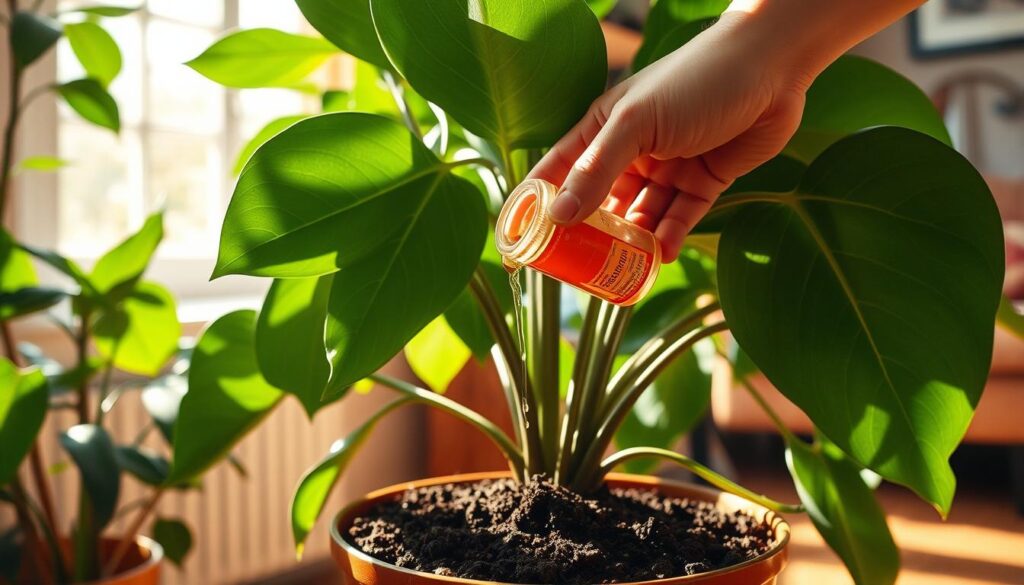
[
  {"x": 359, "y": 568},
  {"x": 140, "y": 565}
]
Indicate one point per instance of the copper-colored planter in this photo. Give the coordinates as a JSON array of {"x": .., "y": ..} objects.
[
  {"x": 140, "y": 566},
  {"x": 359, "y": 568}
]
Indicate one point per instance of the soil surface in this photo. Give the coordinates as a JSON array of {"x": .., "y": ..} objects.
[{"x": 542, "y": 533}]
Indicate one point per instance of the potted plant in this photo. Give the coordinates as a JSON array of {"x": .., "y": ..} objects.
[
  {"x": 859, "y": 270},
  {"x": 127, "y": 338}
]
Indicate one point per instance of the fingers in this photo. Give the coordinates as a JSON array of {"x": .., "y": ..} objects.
[
  {"x": 650, "y": 206},
  {"x": 591, "y": 176},
  {"x": 624, "y": 192},
  {"x": 683, "y": 213}
]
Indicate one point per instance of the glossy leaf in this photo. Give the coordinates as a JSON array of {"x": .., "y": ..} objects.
[
  {"x": 436, "y": 355},
  {"x": 656, "y": 47},
  {"x": 348, "y": 25},
  {"x": 876, "y": 283},
  {"x": 67, "y": 266},
  {"x": 359, "y": 193},
  {"x": 262, "y": 57},
  {"x": 126, "y": 262},
  {"x": 92, "y": 451},
  {"x": 290, "y": 338},
  {"x": 519, "y": 73},
  {"x": 467, "y": 322},
  {"x": 175, "y": 538},
  {"x": 145, "y": 465},
  {"x": 42, "y": 163},
  {"x": 95, "y": 49},
  {"x": 141, "y": 334},
  {"x": 273, "y": 128},
  {"x": 162, "y": 400},
  {"x": 318, "y": 483},
  {"x": 665, "y": 21},
  {"x": 676, "y": 401},
  {"x": 31, "y": 36},
  {"x": 28, "y": 300},
  {"x": 856, "y": 93},
  {"x": 601, "y": 8},
  {"x": 23, "y": 403},
  {"x": 227, "y": 396},
  {"x": 844, "y": 510},
  {"x": 91, "y": 101}
]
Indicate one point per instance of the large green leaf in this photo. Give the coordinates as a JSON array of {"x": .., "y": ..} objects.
[
  {"x": 844, "y": 510},
  {"x": 316, "y": 485},
  {"x": 141, "y": 334},
  {"x": 436, "y": 355},
  {"x": 146, "y": 466},
  {"x": 665, "y": 24},
  {"x": 273, "y": 128},
  {"x": 23, "y": 402},
  {"x": 162, "y": 400},
  {"x": 347, "y": 24},
  {"x": 92, "y": 451},
  {"x": 359, "y": 193},
  {"x": 520, "y": 73},
  {"x": 601, "y": 8},
  {"x": 95, "y": 49},
  {"x": 175, "y": 538},
  {"x": 856, "y": 93},
  {"x": 262, "y": 57},
  {"x": 92, "y": 102},
  {"x": 28, "y": 300},
  {"x": 16, "y": 270},
  {"x": 31, "y": 36},
  {"x": 868, "y": 296},
  {"x": 467, "y": 322},
  {"x": 125, "y": 263},
  {"x": 290, "y": 338},
  {"x": 671, "y": 406},
  {"x": 227, "y": 396}
]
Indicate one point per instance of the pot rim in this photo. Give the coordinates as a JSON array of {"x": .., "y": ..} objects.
[
  {"x": 778, "y": 523},
  {"x": 156, "y": 556}
]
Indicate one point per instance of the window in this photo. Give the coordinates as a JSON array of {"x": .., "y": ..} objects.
[{"x": 178, "y": 142}]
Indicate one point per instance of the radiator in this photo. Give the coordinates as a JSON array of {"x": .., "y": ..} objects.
[{"x": 241, "y": 526}]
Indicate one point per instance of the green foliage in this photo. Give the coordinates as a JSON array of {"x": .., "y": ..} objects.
[
  {"x": 91, "y": 101},
  {"x": 23, "y": 402},
  {"x": 654, "y": 48},
  {"x": 601, "y": 8},
  {"x": 827, "y": 287},
  {"x": 144, "y": 465},
  {"x": 855, "y": 93},
  {"x": 290, "y": 338},
  {"x": 493, "y": 65},
  {"x": 107, "y": 11},
  {"x": 844, "y": 510},
  {"x": 273, "y": 128},
  {"x": 227, "y": 396},
  {"x": 32, "y": 35},
  {"x": 95, "y": 49},
  {"x": 316, "y": 485},
  {"x": 124, "y": 263},
  {"x": 667, "y": 25},
  {"x": 1009, "y": 317},
  {"x": 175, "y": 538},
  {"x": 92, "y": 452},
  {"x": 141, "y": 334},
  {"x": 42, "y": 163},
  {"x": 348, "y": 25},
  {"x": 436, "y": 355},
  {"x": 262, "y": 57}
]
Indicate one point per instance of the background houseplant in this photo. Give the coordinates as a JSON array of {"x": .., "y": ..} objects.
[
  {"x": 124, "y": 328},
  {"x": 860, "y": 270}
]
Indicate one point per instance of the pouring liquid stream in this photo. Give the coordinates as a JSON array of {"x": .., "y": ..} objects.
[{"x": 513, "y": 270}]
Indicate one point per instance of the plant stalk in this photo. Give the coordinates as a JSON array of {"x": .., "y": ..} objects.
[
  {"x": 478, "y": 421},
  {"x": 33, "y": 541},
  {"x": 133, "y": 530},
  {"x": 573, "y": 396},
  {"x": 543, "y": 336},
  {"x": 13, "y": 113},
  {"x": 705, "y": 473}
]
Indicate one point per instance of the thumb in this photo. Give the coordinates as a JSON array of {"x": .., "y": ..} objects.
[{"x": 588, "y": 182}]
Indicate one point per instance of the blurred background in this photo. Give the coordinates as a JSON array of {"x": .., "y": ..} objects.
[{"x": 178, "y": 146}]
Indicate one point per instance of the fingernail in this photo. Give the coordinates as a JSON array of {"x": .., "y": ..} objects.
[{"x": 564, "y": 207}]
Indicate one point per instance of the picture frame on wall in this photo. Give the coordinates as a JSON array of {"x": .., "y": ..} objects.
[{"x": 947, "y": 27}]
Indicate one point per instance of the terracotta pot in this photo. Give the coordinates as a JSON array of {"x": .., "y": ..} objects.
[
  {"x": 359, "y": 568},
  {"x": 140, "y": 566}
]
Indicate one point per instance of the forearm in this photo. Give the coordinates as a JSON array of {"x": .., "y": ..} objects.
[{"x": 814, "y": 33}]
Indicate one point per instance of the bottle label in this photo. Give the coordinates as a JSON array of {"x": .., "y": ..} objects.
[{"x": 624, "y": 271}]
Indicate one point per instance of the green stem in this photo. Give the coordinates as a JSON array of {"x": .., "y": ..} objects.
[
  {"x": 629, "y": 395},
  {"x": 398, "y": 94},
  {"x": 478, "y": 421},
  {"x": 108, "y": 373},
  {"x": 573, "y": 398},
  {"x": 32, "y": 540},
  {"x": 768, "y": 410},
  {"x": 699, "y": 470},
  {"x": 13, "y": 113},
  {"x": 543, "y": 336}
]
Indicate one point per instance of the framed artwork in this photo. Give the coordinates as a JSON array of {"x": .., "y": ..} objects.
[{"x": 944, "y": 27}]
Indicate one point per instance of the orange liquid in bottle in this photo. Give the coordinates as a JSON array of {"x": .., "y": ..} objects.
[{"x": 604, "y": 255}]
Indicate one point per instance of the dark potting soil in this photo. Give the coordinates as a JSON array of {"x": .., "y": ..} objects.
[{"x": 542, "y": 533}]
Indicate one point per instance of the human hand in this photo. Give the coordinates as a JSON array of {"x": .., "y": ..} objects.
[{"x": 660, "y": 147}]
